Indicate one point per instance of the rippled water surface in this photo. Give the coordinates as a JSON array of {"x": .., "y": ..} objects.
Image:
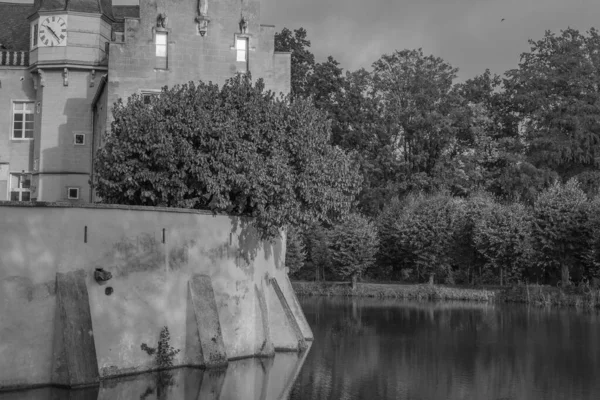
[{"x": 383, "y": 349}]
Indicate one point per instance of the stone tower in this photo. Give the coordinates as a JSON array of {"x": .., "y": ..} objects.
[{"x": 69, "y": 40}]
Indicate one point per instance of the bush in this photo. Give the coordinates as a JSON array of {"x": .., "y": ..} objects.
[
  {"x": 503, "y": 238},
  {"x": 420, "y": 234},
  {"x": 561, "y": 232},
  {"x": 467, "y": 261},
  {"x": 353, "y": 245},
  {"x": 295, "y": 253},
  {"x": 234, "y": 149}
]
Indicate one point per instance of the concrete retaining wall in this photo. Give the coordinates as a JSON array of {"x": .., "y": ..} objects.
[{"x": 221, "y": 293}]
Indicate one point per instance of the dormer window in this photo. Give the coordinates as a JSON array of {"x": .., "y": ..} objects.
[{"x": 161, "y": 50}]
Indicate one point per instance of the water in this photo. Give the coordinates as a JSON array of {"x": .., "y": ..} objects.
[
  {"x": 388, "y": 349},
  {"x": 385, "y": 349},
  {"x": 247, "y": 379}
]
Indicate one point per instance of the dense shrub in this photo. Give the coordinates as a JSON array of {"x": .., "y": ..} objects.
[
  {"x": 421, "y": 234},
  {"x": 467, "y": 261},
  {"x": 318, "y": 260},
  {"x": 481, "y": 240},
  {"x": 502, "y": 237},
  {"x": 234, "y": 149},
  {"x": 561, "y": 232},
  {"x": 353, "y": 245},
  {"x": 295, "y": 253}
]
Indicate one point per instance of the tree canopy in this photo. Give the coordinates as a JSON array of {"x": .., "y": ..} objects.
[{"x": 234, "y": 149}]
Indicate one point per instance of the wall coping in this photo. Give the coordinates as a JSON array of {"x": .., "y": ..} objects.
[{"x": 101, "y": 206}]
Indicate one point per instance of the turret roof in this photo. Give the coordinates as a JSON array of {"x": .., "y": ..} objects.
[{"x": 87, "y": 6}]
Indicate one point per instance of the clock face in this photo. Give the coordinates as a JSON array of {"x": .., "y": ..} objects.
[{"x": 53, "y": 31}]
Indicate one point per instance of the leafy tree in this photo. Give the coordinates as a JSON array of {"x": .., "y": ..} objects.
[
  {"x": 560, "y": 230},
  {"x": 318, "y": 257},
  {"x": 503, "y": 237},
  {"x": 555, "y": 93},
  {"x": 303, "y": 60},
  {"x": 325, "y": 85},
  {"x": 233, "y": 149},
  {"x": 295, "y": 253},
  {"x": 424, "y": 235},
  {"x": 353, "y": 244},
  {"x": 417, "y": 110},
  {"x": 591, "y": 256},
  {"x": 467, "y": 263}
]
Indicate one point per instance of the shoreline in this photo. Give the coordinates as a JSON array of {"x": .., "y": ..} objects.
[{"x": 538, "y": 295}]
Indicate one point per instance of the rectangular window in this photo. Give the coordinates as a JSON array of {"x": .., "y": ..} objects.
[
  {"x": 79, "y": 139},
  {"x": 20, "y": 187},
  {"x": 35, "y": 34},
  {"x": 161, "y": 50},
  {"x": 241, "y": 47},
  {"x": 73, "y": 193},
  {"x": 22, "y": 120}
]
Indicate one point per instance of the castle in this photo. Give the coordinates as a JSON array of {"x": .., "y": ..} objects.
[{"x": 63, "y": 63}]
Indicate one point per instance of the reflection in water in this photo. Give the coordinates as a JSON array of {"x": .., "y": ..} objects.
[
  {"x": 389, "y": 349},
  {"x": 252, "y": 379}
]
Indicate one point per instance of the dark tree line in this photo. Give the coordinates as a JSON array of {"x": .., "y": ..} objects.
[{"x": 434, "y": 154}]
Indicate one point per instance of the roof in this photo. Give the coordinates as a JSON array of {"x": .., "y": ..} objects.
[
  {"x": 121, "y": 12},
  {"x": 14, "y": 26},
  {"x": 86, "y": 6}
]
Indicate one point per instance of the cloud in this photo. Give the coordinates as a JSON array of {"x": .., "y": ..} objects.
[{"x": 468, "y": 34}]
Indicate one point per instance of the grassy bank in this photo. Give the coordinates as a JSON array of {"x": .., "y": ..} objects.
[
  {"x": 528, "y": 294},
  {"x": 399, "y": 291},
  {"x": 550, "y": 296}
]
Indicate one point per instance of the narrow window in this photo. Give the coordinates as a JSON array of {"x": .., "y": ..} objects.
[
  {"x": 73, "y": 193},
  {"x": 22, "y": 120},
  {"x": 20, "y": 187},
  {"x": 35, "y": 34},
  {"x": 161, "y": 50},
  {"x": 241, "y": 47}
]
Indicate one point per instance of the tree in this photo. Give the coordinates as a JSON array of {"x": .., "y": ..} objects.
[
  {"x": 234, "y": 149},
  {"x": 295, "y": 253},
  {"x": 353, "y": 244},
  {"x": 421, "y": 235},
  {"x": 560, "y": 231},
  {"x": 555, "y": 93},
  {"x": 325, "y": 85},
  {"x": 503, "y": 237},
  {"x": 417, "y": 110},
  {"x": 303, "y": 60},
  {"x": 318, "y": 257}
]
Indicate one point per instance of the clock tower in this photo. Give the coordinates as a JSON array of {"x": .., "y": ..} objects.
[{"x": 67, "y": 58}]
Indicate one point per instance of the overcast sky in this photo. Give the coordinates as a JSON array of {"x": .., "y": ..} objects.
[{"x": 468, "y": 34}]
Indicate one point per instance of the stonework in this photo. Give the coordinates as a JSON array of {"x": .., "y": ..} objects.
[
  {"x": 87, "y": 290},
  {"x": 83, "y": 55}
]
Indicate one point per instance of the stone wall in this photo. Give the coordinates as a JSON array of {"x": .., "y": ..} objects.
[
  {"x": 192, "y": 57},
  {"x": 222, "y": 293}
]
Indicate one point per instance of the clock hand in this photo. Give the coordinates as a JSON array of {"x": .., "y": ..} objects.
[{"x": 52, "y": 32}]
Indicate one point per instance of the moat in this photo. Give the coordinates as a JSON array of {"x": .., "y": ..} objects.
[{"x": 388, "y": 349}]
